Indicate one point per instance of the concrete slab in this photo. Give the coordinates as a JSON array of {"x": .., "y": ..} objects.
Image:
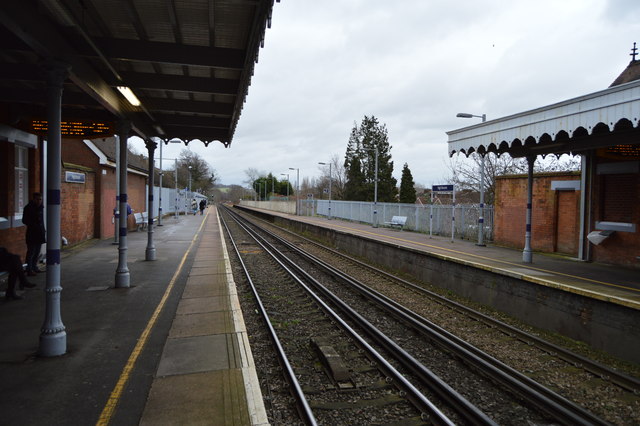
[
  {"x": 195, "y": 354},
  {"x": 199, "y": 401},
  {"x": 205, "y": 304},
  {"x": 201, "y": 324},
  {"x": 198, "y": 291}
]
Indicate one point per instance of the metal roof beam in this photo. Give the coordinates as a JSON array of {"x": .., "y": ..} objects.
[
  {"x": 172, "y": 105},
  {"x": 192, "y": 121},
  {"x": 180, "y": 83},
  {"x": 169, "y": 53}
]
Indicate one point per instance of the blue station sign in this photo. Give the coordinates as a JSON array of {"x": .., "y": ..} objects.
[{"x": 442, "y": 188}]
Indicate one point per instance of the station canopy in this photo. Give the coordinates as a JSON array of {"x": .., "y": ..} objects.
[
  {"x": 608, "y": 119},
  {"x": 188, "y": 62}
]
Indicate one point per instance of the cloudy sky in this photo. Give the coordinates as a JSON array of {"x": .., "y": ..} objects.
[{"x": 413, "y": 64}]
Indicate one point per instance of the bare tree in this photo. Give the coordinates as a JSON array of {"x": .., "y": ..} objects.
[
  {"x": 338, "y": 178},
  {"x": 465, "y": 172}
]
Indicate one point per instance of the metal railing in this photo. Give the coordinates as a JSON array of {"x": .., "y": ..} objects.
[{"x": 434, "y": 219}]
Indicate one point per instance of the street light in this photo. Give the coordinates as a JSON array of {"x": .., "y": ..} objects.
[
  {"x": 160, "y": 183},
  {"x": 375, "y": 187},
  {"x": 328, "y": 164},
  {"x": 297, "y": 189},
  {"x": 188, "y": 203},
  {"x": 287, "y": 175},
  {"x": 481, "y": 216}
]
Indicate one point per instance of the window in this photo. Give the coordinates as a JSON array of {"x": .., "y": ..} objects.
[
  {"x": 617, "y": 197},
  {"x": 21, "y": 179}
]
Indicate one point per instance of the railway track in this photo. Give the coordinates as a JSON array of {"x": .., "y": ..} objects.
[{"x": 404, "y": 346}]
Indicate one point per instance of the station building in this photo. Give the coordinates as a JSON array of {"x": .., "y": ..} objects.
[{"x": 594, "y": 216}]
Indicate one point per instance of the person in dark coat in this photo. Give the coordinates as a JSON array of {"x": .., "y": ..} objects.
[
  {"x": 11, "y": 263},
  {"x": 33, "y": 218},
  {"x": 203, "y": 204}
]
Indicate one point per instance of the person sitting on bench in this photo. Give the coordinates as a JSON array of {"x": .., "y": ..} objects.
[{"x": 11, "y": 263}]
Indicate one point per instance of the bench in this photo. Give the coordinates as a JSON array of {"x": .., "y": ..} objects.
[
  {"x": 141, "y": 220},
  {"x": 397, "y": 221}
]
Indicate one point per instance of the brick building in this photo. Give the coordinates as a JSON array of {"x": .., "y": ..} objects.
[
  {"x": 595, "y": 216},
  {"x": 88, "y": 186},
  {"x": 556, "y": 211}
]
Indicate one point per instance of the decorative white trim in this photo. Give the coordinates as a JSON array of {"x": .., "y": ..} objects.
[
  {"x": 102, "y": 158},
  {"x": 607, "y": 106}
]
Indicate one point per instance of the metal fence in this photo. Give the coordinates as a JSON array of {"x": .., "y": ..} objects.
[{"x": 430, "y": 219}]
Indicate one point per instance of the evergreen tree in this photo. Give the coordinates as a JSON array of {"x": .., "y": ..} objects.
[
  {"x": 355, "y": 189},
  {"x": 363, "y": 142},
  {"x": 407, "y": 186}
]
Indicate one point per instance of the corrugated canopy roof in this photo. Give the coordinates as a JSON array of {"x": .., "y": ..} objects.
[
  {"x": 579, "y": 124},
  {"x": 190, "y": 62}
]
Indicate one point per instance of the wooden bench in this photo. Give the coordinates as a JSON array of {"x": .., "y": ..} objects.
[{"x": 397, "y": 222}]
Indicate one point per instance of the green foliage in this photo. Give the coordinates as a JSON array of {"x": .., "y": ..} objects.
[
  {"x": 273, "y": 187},
  {"x": 360, "y": 163},
  {"x": 407, "y": 186}
]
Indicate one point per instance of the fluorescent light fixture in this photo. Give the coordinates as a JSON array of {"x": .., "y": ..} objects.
[{"x": 127, "y": 93}]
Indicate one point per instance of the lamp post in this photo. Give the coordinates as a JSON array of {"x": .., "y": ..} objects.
[
  {"x": 375, "y": 187},
  {"x": 297, "y": 189},
  {"x": 190, "y": 193},
  {"x": 481, "y": 216},
  {"x": 287, "y": 175},
  {"x": 161, "y": 175},
  {"x": 329, "y": 164}
]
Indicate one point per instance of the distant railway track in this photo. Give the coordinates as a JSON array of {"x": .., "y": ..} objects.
[{"x": 492, "y": 391}]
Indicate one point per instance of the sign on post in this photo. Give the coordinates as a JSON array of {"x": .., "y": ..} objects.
[{"x": 445, "y": 189}]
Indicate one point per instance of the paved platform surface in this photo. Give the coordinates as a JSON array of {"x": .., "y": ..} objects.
[
  {"x": 170, "y": 349},
  {"x": 609, "y": 283}
]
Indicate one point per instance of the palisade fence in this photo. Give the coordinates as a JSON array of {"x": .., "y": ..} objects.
[
  {"x": 418, "y": 216},
  {"x": 172, "y": 200}
]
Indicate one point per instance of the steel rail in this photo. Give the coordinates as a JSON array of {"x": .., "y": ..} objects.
[
  {"x": 547, "y": 400},
  {"x": 625, "y": 381},
  {"x": 303, "y": 405},
  {"x": 437, "y": 385}
]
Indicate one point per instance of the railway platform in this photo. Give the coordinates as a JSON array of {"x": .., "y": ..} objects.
[
  {"x": 593, "y": 303},
  {"x": 610, "y": 283},
  {"x": 170, "y": 349}
]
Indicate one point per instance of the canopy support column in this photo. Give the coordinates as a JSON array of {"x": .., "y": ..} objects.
[
  {"x": 527, "y": 255},
  {"x": 53, "y": 337},
  {"x": 122, "y": 272},
  {"x": 150, "y": 252}
]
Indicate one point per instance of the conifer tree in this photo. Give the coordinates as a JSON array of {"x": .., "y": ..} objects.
[
  {"x": 360, "y": 162},
  {"x": 407, "y": 186}
]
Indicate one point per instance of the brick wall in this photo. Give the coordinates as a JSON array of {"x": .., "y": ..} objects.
[
  {"x": 547, "y": 214},
  {"x": 616, "y": 200},
  {"x": 77, "y": 209},
  {"x": 12, "y": 237}
]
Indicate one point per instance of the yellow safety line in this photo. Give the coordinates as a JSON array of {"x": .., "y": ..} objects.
[
  {"x": 491, "y": 259},
  {"x": 116, "y": 393}
]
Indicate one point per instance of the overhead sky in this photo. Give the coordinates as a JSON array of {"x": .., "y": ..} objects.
[{"x": 413, "y": 64}]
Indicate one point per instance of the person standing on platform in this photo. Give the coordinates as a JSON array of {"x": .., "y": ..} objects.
[
  {"x": 33, "y": 218},
  {"x": 203, "y": 204}
]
